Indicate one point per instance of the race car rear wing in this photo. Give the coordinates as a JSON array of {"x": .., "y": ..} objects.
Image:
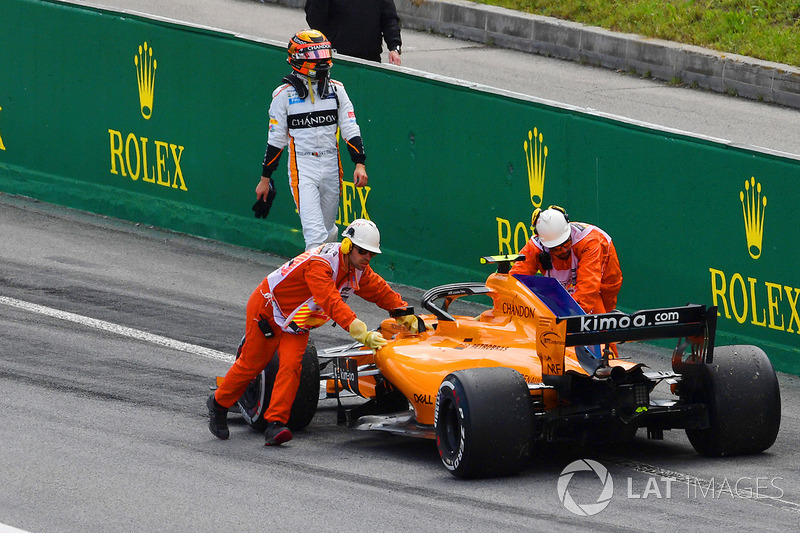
[
  {"x": 569, "y": 326},
  {"x": 671, "y": 322},
  {"x": 694, "y": 325}
]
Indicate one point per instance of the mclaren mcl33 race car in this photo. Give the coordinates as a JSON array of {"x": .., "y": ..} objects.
[{"x": 534, "y": 368}]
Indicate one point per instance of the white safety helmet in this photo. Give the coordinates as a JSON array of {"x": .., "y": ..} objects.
[
  {"x": 364, "y": 233},
  {"x": 552, "y": 226}
]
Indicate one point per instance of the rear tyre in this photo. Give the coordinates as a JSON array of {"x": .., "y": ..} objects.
[
  {"x": 484, "y": 422},
  {"x": 744, "y": 403},
  {"x": 255, "y": 400}
]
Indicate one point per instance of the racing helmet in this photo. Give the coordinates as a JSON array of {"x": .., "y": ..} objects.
[
  {"x": 310, "y": 53},
  {"x": 552, "y": 226},
  {"x": 363, "y": 233}
]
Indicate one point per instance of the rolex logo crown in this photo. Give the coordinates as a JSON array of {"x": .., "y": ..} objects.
[
  {"x": 536, "y": 159},
  {"x": 753, "y": 207},
  {"x": 146, "y": 76}
]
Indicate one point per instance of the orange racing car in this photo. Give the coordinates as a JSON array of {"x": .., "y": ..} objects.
[{"x": 535, "y": 368}]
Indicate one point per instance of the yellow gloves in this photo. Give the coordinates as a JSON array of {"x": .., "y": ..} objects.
[
  {"x": 374, "y": 339},
  {"x": 370, "y": 339},
  {"x": 409, "y": 322}
]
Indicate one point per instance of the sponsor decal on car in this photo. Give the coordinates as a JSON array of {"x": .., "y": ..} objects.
[
  {"x": 479, "y": 346},
  {"x": 622, "y": 321},
  {"x": 427, "y": 399},
  {"x": 517, "y": 310},
  {"x": 348, "y": 375}
]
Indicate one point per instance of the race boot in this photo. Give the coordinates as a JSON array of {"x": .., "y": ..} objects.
[
  {"x": 218, "y": 419},
  {"x": 276, "y": 434}
]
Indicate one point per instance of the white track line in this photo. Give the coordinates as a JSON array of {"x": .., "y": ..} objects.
[
  {"x": 119, "y": 330},
  {"x": 9, "y": 529}
]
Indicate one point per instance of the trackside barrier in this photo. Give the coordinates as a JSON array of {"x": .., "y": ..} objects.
[{"x": 166, "y": 125}]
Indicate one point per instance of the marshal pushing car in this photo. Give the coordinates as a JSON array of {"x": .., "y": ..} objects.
[{"x": 535, "y": 368}]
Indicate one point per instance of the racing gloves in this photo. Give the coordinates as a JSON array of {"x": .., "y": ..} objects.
[
  {"x": 409, "y": 322},
  {"x": 370, "y": 339},
  {"x": 262, "y": 207}
]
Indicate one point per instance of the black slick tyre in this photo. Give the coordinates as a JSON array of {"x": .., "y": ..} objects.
[
  {"x": 741, "y": 391},
  {"x": 483, "y": 422}
]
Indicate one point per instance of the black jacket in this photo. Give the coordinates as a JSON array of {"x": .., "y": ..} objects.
[{"x": 355, "y": 27}]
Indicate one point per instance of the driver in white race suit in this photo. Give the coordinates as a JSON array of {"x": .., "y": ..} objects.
[{"x": 305, "y": 114}]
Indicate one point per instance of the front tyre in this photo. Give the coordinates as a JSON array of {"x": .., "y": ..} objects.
[
  {"x": 483, "y": 422},
  {"x": 741, "y": 391},
  {"x": 255, "y": 400}
]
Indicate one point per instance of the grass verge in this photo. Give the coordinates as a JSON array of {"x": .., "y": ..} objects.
[{"x": 764, "y": 29}]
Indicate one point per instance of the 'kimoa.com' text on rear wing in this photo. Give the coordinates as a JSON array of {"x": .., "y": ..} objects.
[{"x": 670, "y": 322}]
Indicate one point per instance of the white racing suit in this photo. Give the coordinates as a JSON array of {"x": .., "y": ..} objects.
[{"x": 307, "y": 121}]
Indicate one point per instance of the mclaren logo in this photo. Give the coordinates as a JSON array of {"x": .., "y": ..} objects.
[
  {"x": 550, "y": 338},
  {"x": 753, "y": 207},
  {"x": 2, "y": 146},
  {"x": 536, "y": 159},
  {"x": 146, "y": 75}
]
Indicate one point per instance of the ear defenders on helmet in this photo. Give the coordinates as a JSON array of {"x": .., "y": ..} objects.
[
  {"x": 561, "y": 210},
  {"x": 347, "y": 242},
  {"x": 534, "y": 219}
]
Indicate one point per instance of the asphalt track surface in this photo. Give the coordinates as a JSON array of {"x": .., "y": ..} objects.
[{"x": 111, "y": 334}]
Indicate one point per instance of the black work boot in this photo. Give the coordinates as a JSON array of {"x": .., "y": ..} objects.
[
  {"x": 276, "y": 434},
  {"x": 218, "y": 419}
]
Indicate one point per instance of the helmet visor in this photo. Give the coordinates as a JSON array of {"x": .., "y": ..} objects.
[{"x": 324, "y": 53}]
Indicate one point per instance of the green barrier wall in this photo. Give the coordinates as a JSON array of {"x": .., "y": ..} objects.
[{"x": 166, "y": 125}]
